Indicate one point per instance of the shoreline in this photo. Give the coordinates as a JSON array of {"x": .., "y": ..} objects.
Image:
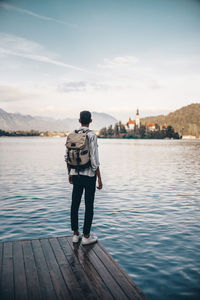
[{"x": 105, "y": 138}]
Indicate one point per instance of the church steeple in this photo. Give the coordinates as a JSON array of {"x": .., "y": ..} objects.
[{"x": 137, "y": 119}]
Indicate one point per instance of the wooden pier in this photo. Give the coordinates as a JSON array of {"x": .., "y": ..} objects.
[{"x": 55, "y": 268}]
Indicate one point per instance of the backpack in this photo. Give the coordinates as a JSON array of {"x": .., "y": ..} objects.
[{"x": 77, "y": 144}]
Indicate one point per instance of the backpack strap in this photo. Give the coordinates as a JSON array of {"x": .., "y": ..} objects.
[
  {"x": 87, "y": 130},
  {"x": 84, "y": 130}
]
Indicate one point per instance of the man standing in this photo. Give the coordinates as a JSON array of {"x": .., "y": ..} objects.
[{"x": 85, "y": 179}]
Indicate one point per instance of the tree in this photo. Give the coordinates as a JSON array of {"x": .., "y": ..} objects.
[
  {"x": 142, "y": 131},
  {"x": 110, "y": 131},
  {"x": 103, "y": 132},
  {"x": 122, "y": 128},
  {"x": 116, "y": 130},
  {"x": 169, "y": 132}
]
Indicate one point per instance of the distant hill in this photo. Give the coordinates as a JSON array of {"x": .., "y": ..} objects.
[
  {"x": 185, "y": 120},
  {"x": 17, "y": 121}
]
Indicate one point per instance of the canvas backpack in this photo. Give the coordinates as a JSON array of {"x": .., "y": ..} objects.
[{"x": 77, "y": 144}]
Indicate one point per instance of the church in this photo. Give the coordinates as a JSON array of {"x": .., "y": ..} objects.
[{"x": 131, "y": 125}]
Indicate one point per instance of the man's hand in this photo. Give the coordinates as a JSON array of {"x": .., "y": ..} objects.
[
  {"x": 100, "y": 185},
  {"x": 70, "y": 179}
]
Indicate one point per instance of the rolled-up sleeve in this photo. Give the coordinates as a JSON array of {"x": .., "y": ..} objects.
[
  {"x": 94, "y": 154},
  {"x": 65, "y": 157}
]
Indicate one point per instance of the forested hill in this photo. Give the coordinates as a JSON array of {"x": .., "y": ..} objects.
[{"x": 187, "y": 117}]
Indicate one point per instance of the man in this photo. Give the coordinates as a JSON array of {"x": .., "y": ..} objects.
[{"x": 85, "y": 180}]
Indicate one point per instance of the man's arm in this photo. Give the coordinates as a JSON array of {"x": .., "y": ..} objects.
[
  {"x": 100, "y": 185},
  {"x": 68, "y": 168},
  {"x": 94, "y": 156},
  {"x": 70, "y": 176}
]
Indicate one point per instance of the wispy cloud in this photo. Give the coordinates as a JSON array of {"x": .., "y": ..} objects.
[
  {"x": 86, "y": 86},
  {"x": 30, "y": 13},
  {"x": 129, "y": 72},
  {"x": 119, "y": 61},
  {"x": 72, "y": 86},
  {"x": 20, "y": 47}
]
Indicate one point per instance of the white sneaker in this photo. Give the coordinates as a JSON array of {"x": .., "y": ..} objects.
[
  {"x": 76, "y": 238},
  {"x": 90, "y": 240}
]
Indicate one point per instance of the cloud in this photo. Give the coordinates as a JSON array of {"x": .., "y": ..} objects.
[
  {"x": 30, "y": 13},
  {"x": 86, "y": 86},
  {"x": 119, "y": 61},
  {"x": 20, "y": 47},
  {"x": 128, "y": 72},
  {"x": 72, "y": 86},
  {"x": 12, "y": 94},
  {"x": 101, "y": 86}
]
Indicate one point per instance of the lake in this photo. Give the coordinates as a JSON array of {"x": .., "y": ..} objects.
[{"x": 147, "y": 215}]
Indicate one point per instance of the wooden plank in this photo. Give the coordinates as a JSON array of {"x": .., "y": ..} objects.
[
  {"x": 66, "y": 270},
  {"x": 55, "y": 268},
  {"x": 46, "y": 286},
  {"x": 119, "y": 276},
  {"x": 108, "y": 279},
  {"x": 121, "y": 269},
  {"x": 7, "y": 283},
  {"x": 20, "y": 285},
  {"x": 124, "y": 273},
  {"x": 96, "y": 281},
  {"x": 84, "y": 282},
  {"x": 56, "y": 276},
  {"x": 31, "y": 271}
]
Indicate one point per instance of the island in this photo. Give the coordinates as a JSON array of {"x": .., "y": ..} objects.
[{"x": 134, "y": 129}]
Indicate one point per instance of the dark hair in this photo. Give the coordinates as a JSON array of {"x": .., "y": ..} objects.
[{"x": 85, "y": 117}]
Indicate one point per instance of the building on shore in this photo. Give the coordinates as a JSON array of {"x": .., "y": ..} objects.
[
  {"x": 151, "y": 126},
  {"x": 54, "y": 133},
  {"x": 131, "y": 124},
  {"x": 189, "y": 137},
  {"x": 137, "y": 119},
  {"x": 163, "y": 127},
  {"x": 136, "y": 124}
]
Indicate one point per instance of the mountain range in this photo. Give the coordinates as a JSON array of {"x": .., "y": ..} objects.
[
  {"x": 186, "y": 120},
  {"x": 17, "y": 121}
]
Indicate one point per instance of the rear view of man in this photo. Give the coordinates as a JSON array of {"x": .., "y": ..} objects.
[{"x": 83, "y": 169}]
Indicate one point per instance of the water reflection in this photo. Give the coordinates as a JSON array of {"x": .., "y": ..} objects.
[{"x": 147, "y": 216}]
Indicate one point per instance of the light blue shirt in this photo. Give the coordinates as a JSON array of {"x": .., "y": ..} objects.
[{"x": 94, "y": 155}]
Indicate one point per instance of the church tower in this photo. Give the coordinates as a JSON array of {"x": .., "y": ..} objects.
[{"x": 137, "y": 119}]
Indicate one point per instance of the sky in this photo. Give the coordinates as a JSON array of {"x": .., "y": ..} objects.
[{"x": 113, "y": 56}]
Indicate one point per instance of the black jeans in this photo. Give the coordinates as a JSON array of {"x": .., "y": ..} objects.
[{"x": 88, "y": 184}]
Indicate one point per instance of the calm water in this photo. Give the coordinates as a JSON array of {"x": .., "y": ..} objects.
[{"x": 147, "y": 216}]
